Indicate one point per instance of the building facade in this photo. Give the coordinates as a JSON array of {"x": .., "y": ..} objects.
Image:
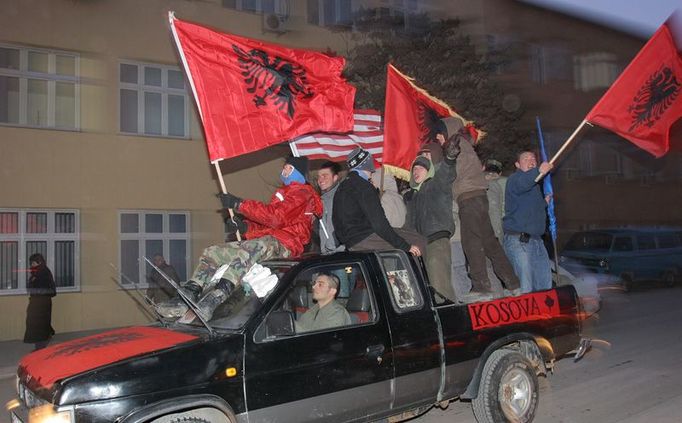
[
  {"x": 103, "y": 161},
  {"x": 102, "y": 155}
]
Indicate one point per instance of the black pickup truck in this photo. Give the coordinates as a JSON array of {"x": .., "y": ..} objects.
[{"x": 405, "y": 350}]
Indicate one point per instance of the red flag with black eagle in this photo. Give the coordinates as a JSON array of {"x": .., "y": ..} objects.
[
  {"x": 410, "y": 121},
  {"x": 253, "y": 94},
  {"x": 646, "y": 99}
]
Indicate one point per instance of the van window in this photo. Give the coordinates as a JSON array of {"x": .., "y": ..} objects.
[
  {"x": 646, "y": 242},
  {"x": 589, "y": 241},
  {"x": 622, "y": 243},
  {"x": 669, "y": 240}
]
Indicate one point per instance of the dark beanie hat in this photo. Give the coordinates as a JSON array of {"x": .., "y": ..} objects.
[
  {"x": 299, "y": 163},
  {"x": 423, "y": 162},
  {"x": 361, "y": 160}
]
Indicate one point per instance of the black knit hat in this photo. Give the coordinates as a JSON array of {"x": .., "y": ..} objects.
[
  {"x": 423, "y": 162},
  {"x": 361, "y": 160},
  {"x": 299, "y": 163}
]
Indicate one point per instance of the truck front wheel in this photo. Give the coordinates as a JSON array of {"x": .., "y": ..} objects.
[{"x": 508, "y": 391}]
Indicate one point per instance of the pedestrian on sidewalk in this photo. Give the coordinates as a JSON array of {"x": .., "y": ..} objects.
[{"x": 41, "y": 288}]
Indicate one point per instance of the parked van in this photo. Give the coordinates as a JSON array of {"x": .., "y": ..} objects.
[{"x": 627, "y": 256}]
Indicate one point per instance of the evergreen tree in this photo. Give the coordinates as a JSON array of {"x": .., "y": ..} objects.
[{"x": 443, "y": 61}]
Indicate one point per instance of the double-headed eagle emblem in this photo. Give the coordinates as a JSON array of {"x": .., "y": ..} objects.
[
  {"x": 653, "y": 98},
  {"x": 272, "y": 79}
]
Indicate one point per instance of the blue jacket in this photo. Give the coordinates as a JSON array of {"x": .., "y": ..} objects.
[{"x": 524, "y": 204}]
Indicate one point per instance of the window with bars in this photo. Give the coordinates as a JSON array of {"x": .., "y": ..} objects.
[
  {"x": 39, "y": 88},
  {"x": 153, "y": 100},
  {"x": 145, "y": 233},
  {"x": 52, "y": 233}
]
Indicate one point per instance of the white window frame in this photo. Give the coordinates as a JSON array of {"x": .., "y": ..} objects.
[
  {"x": 595, "y": 70},
  {"x": 142, "y": 236},
  {"x": 164, "y": 90},
  {"x": 23, "y": 74},
  {"x": 50, "y": 237}
]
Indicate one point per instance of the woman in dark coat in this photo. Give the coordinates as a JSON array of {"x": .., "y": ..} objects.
[{"x": 41, "y": 288}]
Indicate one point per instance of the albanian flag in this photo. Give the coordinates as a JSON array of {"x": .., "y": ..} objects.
[
  {"x": 410, "y": 119},
  {"x": 646, "y": 99},
  {"x": 252, "y": 94}
]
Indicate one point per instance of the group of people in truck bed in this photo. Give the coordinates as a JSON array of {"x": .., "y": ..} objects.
[{"x": 351, "y": 214}]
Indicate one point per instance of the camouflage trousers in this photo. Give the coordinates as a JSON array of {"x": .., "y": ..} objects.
[{"x": 239, "y": 255}]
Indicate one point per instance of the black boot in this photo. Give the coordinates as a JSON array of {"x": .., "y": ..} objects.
[
  {"x": 209, "y": 302},
  {"x": 176, "y": 307}
]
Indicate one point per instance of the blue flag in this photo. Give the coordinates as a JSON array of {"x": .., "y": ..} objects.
[{"x": 547, "y": 183}]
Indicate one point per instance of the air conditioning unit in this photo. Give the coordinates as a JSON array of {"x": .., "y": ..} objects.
[{"x": 273, "y": 22}]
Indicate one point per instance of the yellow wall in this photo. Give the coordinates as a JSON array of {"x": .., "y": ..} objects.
[{"x": 99, "y": 171}]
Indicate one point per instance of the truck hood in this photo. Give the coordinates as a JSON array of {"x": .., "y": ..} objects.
[{"x": 43, "y": 368}]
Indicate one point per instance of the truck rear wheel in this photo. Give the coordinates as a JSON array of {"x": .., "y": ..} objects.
[
  {"x": 199, "y": 415},
  {"x": 508, "y": 390}
]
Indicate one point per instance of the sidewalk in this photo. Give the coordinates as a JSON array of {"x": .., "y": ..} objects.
[{"x": 11, "y": 352}]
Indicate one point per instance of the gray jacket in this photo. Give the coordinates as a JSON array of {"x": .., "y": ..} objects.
[
  {"x": 328, "y": 242},
  {"x": 391, "y": 201},
  {"x": 496, "y": 187}
]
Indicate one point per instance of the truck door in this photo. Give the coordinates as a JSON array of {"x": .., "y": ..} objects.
[
  {"x": 414, "y": 331},
  {"x": 327, "y": 375}
]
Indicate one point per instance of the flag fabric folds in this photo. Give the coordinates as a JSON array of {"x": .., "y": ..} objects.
[
  {"x": 253, "y": 94},
  {"x": 547, "y": 187},
  {"x": 410, "y": 119},
  {"x": 367, "y": 133},
  {"x": 646, "y": 99}
]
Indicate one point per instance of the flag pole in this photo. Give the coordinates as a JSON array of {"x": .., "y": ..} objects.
[
  {"x": 564, "y": 147},
  {"x": 549, "y": 191},
  {"x": 381, "y": 184},
  {"x": 224, "y": 190},
  {"x": 171, "y": 20}
]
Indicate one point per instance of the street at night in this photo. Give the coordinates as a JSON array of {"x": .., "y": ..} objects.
[{"x": 631, "y": 374}]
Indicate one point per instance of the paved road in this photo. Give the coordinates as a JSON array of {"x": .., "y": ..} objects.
[{"x": 632, "y": 374}]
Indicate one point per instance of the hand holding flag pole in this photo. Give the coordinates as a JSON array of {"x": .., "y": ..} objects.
[
  {"x": 563, "y": 147},
  {"x": 646, "y": 99},
  {"x": 224, "y": 191}
]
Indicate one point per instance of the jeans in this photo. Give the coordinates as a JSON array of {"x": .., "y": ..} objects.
[{"x": 530, "y": 262}]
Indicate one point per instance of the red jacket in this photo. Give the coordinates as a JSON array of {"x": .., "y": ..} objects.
[{"x": 288, "y": 217}]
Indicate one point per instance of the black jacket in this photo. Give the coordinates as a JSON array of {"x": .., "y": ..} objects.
[
  {"x": 358, "y": 214},
  {"x": 429, "y": 210},
  {"x": 41, "y": 282}
]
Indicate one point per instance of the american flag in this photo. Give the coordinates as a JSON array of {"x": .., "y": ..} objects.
[{"x": 367, "y": 133}]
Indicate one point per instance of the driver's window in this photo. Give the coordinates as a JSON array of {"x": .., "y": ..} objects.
[{"x": 314, "y": 302}]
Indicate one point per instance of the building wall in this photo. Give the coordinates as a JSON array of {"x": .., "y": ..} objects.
[{"x": 99, "y": 171}]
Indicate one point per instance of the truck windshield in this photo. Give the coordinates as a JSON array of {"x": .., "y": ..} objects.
[
  {"x": 243, "y": 303},
  {"x": 589, "y": 241}
]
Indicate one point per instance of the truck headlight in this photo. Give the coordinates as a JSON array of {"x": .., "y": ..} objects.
[{"x": 47, "y": 414}]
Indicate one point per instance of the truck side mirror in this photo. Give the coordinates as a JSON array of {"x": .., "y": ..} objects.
[{"x": 279, "y": 323}]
